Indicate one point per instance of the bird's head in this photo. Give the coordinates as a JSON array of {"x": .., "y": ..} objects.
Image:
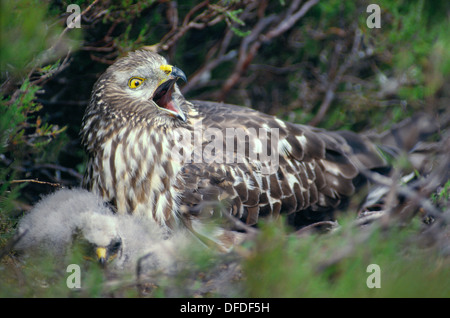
[
  {"x": 142, "y": 83},
  {"x": 100, "y": 233},
  {"x": 105, "y": 254}
]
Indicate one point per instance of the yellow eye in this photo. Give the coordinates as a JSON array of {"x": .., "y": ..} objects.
[{"x": 135, "y": 82}]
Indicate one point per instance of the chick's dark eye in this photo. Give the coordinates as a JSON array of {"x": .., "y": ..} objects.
[{"x": 115, "y": 246}]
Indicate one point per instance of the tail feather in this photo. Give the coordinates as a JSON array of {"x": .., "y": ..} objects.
[
  {"x": 425, "y": 142},
  {"x": 406, "y": 135}
]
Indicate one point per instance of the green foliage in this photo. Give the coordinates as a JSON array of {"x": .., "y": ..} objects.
[
  {"x": 46, "y": 278},
  {"x": 22, "y": 132},
  {"x": 27, "y": 36},
  {"x": 276, "y": 264},
  {"x": 335, "y": 265},
  {"x": 13, "y": 116},
  {"x": 399, "y": 67},
  {"x": 23, "y": 137},
  {"x": 442, "y": 197},
  {"x": 233, "y": 16},
  {"x": 27, "y": 33},
  {"x": 418, "y": 39}
]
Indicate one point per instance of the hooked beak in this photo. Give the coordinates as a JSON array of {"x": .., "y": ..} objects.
[
  {"x": 163, "y": 94},
  {"x": 101, "y": 255},
  {"x": 177, "y": 73}
]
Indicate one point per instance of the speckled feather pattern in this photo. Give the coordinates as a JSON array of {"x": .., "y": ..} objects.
[{"x": 129, "y": 140}]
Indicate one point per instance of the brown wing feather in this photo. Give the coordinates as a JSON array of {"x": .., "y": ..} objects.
[{"x": 315, "y": 169}]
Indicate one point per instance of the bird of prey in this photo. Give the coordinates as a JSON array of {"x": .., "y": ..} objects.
[
  {"x": 153, "y": 153},
  {"x": 72, "y": 216}
]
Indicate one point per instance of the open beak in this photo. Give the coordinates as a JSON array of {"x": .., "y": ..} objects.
[{"x": 163, "y": 94}]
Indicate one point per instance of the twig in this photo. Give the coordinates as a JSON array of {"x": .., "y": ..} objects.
[
  {"x": 47, "y": 76},
  {"x": 72, "y": 23},
  {"x": 139, "y": 271},
  {"x": 11, "y": 243},
  {"x": 251, "y": 44},
  {"x": 196, "y": 78},
  {"x": 333, "y": 84},
  {"x": 36, "y": 181},
  {"x": 52, "y": 49},
  {"x": 246, "y": 54},
  {"x": 238, "y": 224},
  {"x": 289, "y": 21},
  {"x": 171, "y": 38},
  {"x": 328, "y": 225},
  {"x": 419, "y": 195},
  {"x": 70, "y": 171}
]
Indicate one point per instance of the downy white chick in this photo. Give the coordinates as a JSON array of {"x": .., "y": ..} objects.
[{"x": 117, "y": 240}]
